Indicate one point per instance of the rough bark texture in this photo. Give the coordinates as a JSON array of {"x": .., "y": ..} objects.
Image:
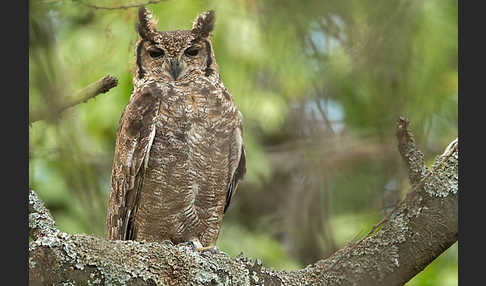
[{"x": 422, "y": 226}]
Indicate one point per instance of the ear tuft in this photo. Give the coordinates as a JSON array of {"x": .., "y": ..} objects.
[
  {"x": 147, "y": 25},
  {"x": 203, "y": 24}
]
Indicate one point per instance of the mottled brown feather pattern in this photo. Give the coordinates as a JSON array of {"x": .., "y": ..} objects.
[
  {"x": 179, "y": 151},
  {"x": 136, "y": 124}
]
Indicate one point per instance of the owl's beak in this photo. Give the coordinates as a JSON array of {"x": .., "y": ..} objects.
[{"x": 175, "y": 68}]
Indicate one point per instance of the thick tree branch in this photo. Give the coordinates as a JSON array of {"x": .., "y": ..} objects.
[
  {"x": 422, "y": 226},
  {"x": 101, "y": 86}
]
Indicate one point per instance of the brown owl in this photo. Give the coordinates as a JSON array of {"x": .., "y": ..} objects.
[{"x": 179, "y": 150}]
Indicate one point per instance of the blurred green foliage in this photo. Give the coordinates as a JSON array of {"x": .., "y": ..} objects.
[{"x": 320, "y": 85}]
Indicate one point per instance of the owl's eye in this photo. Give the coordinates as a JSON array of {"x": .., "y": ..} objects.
[
  {"x": 192, "y": 51},
  {"x": 156, "y": 53}
]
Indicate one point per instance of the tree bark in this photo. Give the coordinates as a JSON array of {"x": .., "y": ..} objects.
[{"x": 420, "y": 228}]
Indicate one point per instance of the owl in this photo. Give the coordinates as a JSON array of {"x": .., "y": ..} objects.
[{"x": 179, "y": 151}]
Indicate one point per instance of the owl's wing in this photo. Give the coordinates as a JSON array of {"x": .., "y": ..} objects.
[
  {"x": 135, "y": 135},
  {"x": 237, "y": 164}
]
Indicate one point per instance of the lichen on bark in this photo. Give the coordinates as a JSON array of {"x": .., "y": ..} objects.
[{"x": 418, "y": 230}]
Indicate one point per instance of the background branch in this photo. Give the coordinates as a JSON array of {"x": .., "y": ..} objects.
[
  {"x": 418, "y": 230},
  {"x": 119, "y": 7},
  {"x": 101, "y": 86}
]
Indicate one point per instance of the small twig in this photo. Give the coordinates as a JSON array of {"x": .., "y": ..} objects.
[
  {"x": 101, "y": 86},
  {"x": 119, "y": 7},
  {"x": 323, "y": 114},
  {"x": 351, "y": 241},
  {"x": 41, "y": 222},
  {"x": 374, "y": 228}
]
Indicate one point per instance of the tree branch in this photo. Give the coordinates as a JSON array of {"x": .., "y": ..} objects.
[
  {"x": 101, "y": 86},
  {"x": 119, "y": 7},
  {"x": 414, "y": 159},
  {"x": 41, "y": 222},
  {"x": 422, "y": 226}
]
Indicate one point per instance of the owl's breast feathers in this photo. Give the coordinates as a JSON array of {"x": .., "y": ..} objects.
[{"x": 178, "y": 159}]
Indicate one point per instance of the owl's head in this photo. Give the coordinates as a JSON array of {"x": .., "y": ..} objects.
[{"x": 174, "y": 55}]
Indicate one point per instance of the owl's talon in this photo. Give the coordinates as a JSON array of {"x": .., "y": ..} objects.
[
  {"x": 191, "y": 244},
  {"x": 167, "y": 241}
]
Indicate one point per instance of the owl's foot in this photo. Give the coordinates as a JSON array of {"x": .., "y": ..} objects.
[
  {"x": 167, "y": 241},
  {"x": 191, "y": 244}
]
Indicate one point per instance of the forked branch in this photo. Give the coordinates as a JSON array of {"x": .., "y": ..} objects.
[{"x": 421, "y": 227}]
